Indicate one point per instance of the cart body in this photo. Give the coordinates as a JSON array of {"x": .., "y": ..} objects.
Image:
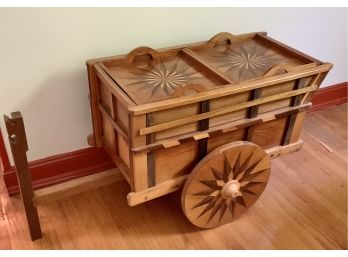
[{"x": 158, "y": 113}]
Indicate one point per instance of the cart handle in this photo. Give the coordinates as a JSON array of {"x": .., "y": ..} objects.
[
  {"x": 223, "y": 36},
  {"x": 142, "y": 50},
  {"x": 188, "y": 89},
  {"x": 278, "y": 69}
]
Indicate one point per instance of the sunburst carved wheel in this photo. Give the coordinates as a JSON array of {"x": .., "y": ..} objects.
[{"x": 225, "y": 184}]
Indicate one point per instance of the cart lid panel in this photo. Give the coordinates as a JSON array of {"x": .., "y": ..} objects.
[
  {"x": 246, "y": 59},
  {"x": 153, "y": 77}
]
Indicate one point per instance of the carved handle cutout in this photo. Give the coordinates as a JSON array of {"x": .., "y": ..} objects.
[
  {"x": 190, "y": 89},
  {"x": 230, "y": 38},
  {"x": 143, "y": 50},
  {"x": 277, "y": 70}
]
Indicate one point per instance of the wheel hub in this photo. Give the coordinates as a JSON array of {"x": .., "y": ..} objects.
[{"x": 231, "y": 190}]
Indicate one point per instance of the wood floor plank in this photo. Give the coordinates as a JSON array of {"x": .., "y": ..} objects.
[{"x": 304, "y": 206}]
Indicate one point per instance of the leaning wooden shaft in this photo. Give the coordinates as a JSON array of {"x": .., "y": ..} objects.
[{"x": 19, "y": 147}]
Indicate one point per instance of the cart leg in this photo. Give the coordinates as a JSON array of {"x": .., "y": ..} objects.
[{"x": 19, "y": 147}]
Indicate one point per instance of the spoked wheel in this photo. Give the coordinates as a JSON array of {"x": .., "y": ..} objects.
[{"x": 225, "y": 183}]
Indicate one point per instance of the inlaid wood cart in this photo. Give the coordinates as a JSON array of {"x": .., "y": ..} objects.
[{"x": 207, "y": 117}]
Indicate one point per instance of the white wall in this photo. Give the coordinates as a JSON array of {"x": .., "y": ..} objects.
[{"x": 43, "y": 54}]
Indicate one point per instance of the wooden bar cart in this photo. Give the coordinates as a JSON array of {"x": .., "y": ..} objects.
[{"x": 206, "y": 117}]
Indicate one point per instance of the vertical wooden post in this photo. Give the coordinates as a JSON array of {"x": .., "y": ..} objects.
[
  {"x": 295, "y": 101},
  {"x": 150, "y": 138},
  {"x": 203, "y": 125},
  {"x": 252, "y": 113},
  {"x": 138, "y": 162},
  {"x": 19, "y": 147},
  {"x": 94, "y": 101}
]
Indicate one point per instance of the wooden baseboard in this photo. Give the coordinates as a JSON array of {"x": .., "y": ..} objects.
[
  {"x": 63, "y": 167},
  {"x": 60, "y": 168},
  {"x": 4, "y": 161},
  {"x": 329, "y": 96}
]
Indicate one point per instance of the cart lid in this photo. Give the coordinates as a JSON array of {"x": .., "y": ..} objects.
[{"x": 147, "y": 75}]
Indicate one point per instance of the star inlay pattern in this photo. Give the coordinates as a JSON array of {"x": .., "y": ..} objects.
[
  {"x": 164, "y": 78},
  {"x": 246, "y": 60},
  {"x": 246, "y": 173}
]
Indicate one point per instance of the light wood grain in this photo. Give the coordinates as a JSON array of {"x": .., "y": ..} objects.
[
  {"x": 228, "y": 90},
  {"x": 138, "y": 163},
  {"x": 281, "y": 150},
  {"x": 168, "y": 186},
  {"x": 171, "y": 183},
  {"x": 221, "y": 129},
  {"x": 286, "y": 48},
  {"x": 237, "y": 107},
  {"x": 106, "y": 115},
  {"x": 269, "y": 134},
  {"x": 196, "y": 57},
  {"x": 76, "y": 186},
  {"x": 152, "y": 95},
  {"x": 304, "y": 206},
  {"x": 225, "y": 184},
  {"x": 94, "y": 99}
]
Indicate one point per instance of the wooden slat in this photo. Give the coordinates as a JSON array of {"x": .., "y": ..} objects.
[
  {"x": 198, "y": 117},
  {"x": 156, "y": 191},
  {"x": 284, "y": 150},
  {"x": 317, "y": 81},
  {"x": 221, "y": 129},
  {"x": 227, "y": 90},
  {"x": 269, "y": 118},
  {"x": 169, "y": 143},
  {"x": 76, "y": 186},
  {"x": 201, "y": 136},
  {"x": 202, "y": 62}
]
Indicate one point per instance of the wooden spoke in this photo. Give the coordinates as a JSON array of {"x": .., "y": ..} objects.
[{"x": 225, "y": 184}]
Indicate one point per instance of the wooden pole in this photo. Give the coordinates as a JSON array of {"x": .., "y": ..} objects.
[{"x": 19, "y": 147}]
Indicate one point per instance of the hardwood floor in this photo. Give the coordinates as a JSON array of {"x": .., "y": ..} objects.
[{"x": 304, "y": 206}]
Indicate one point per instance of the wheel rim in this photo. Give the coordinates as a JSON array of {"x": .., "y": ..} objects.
[{"x": 225, "y": 184}]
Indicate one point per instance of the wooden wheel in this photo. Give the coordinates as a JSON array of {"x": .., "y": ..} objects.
[{"x": 225, "y": 184}]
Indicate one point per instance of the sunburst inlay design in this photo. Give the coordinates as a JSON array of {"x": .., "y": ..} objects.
[
  {"x": 246, "y": 60},
  {"x": 164, "y": 78},
  {"x": 218, "y": 198}
]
